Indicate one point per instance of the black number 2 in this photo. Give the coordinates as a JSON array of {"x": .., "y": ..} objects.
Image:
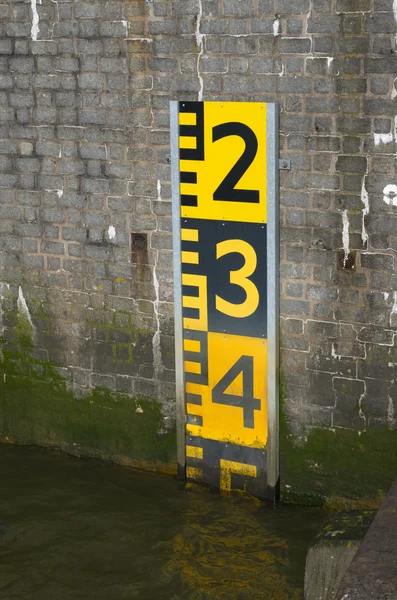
[
  {"x": 247, "y": 402},
  {"x": 227, "y": 190}
]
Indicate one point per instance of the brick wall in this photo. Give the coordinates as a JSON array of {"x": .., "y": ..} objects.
[{"x": 84, "y": 146}]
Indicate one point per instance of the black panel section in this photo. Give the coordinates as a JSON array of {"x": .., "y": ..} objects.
[
  {"x": 186, "y": 177},
  {"x": 190, "y": 313},
  {"x": 190, "y": 290},
  {"x": 188, "y": 130},
  {"x": 193, "y": 440},
  {"x": 189, "y": 246},
  {"x": 194, "y": 420},
  {"x": 188, "y": 200},
  {"x": 196, "y": 131},
  {"x": 193, "y": 399},
  {"x": 218, "y": 272},
  {"x": 214, "y": 451}
]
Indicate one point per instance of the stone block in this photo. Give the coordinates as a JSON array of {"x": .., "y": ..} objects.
[{"x": 332, "y": 551}]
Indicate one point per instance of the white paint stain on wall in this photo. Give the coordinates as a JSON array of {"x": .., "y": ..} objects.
[
  {"x": 345, "y": 235},
  {"x": 282, "y": 70},
  {"x": 200, "y": 44},
  {"x": 34, "y": 31},
  {"x": 394, "y": 91},
  {"x": 395, "y": 10},
  {"x": 365, "y": 211},
  {"x": 23, "y": 308},
  {"x": 140, "y": 39},
  {"x": 390, "y": 194},
  {"x": 111, "y": 232},
  {"x": 276, "y": 27},
  {"x": 395, "y": 128},
  {"x": 393, "y": 313},
  {"x": 383, "y": 138}
]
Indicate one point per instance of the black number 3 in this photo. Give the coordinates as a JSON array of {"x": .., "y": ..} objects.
[{"x": 227, "y": 190}]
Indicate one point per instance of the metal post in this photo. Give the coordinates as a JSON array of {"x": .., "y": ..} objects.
[
  {"x": 176, "y": 227},
  {"x": 273, "y": 301}
]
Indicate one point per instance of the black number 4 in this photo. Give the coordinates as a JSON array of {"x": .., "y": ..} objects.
[
  {"x": 226, "y": 191},
  {"x": 247, "y": 402}
]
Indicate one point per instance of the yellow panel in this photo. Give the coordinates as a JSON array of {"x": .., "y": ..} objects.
[
  {"x": 228, "y": 467},
  {"x": 193, "y": 473},
  {"x": 199, "y": 281},
  {"x": 221, "y": 156},
  {"x": 188, "y": 142},
  {"x": 193, "y": 409},
  {"x": 191, "y": 345},
  {"x": 189, "y": 235},
  {"x": 224, "y": 422},
  {"x": 191, "y": 258},
  {"x": 193, "y": 388},
  {"x": 193, "y": 429},
  {"x": 194, "y": 452},
  {"x": 188, "y": 188},
  {"x": 189, "y": 302},
  {"x": 187, "y": 119},
  {"x": 192, "y": 367}
]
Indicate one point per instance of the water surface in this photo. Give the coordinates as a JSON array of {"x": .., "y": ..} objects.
[{"x": 79, "y": 529}]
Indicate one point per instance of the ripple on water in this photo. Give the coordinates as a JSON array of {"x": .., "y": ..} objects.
[{"x": 73, "y": 529}]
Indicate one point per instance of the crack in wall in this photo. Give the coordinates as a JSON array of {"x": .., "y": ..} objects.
[{"x": 157, "y": 361}]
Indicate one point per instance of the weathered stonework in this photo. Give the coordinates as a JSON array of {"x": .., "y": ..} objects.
[{"x": 84, "y": 145}]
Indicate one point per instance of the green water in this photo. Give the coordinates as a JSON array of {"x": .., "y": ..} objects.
[{"x": 72, "y": 529}]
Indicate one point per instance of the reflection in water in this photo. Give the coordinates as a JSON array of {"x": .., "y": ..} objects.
[
  {"x": 229, "y": 556},
  {"x": 81, "y": 530}
]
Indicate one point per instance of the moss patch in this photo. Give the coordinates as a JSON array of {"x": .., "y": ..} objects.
[
  {"x": 341, "y": 469},
  {"x": 37, "y": 408}
]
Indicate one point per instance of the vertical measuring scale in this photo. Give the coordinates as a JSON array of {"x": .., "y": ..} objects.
[{"x": 224, "y": 158}]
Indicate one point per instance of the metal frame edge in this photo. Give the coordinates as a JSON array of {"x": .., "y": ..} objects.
[
  {"x": 176, "y": 238},
  {"x": 273, "y": 294}
]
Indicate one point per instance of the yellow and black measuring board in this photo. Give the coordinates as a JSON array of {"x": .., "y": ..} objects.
[{"x": 225, "y": 261}]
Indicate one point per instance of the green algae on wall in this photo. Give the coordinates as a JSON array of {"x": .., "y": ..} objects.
[
  {"x": 341, "y": 468},
  {"x": 37, "y": 408}
]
